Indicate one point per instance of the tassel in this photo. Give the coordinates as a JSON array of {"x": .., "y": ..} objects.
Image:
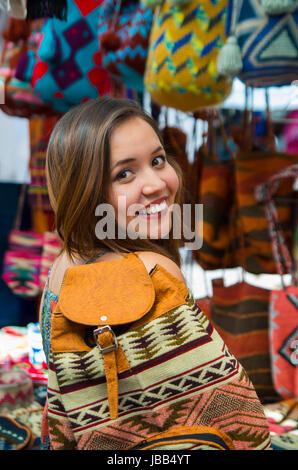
[
  {"x": 229, "y": 60},
  {"x": 278, "y": 7},
  {"x": 110, "y": 41},
  {"x": 16, "y": 30}
]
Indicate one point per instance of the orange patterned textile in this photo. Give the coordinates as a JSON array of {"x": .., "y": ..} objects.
[
  {"x": 158, "y": 372},
  {"x": 254, "y": 168}
]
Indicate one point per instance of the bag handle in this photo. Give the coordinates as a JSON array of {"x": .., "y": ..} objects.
[
  {"x": 270, "y": 132},
  {"x": 213, "y": 117},
  {"x": 20, "y": 207},
  {"x": 248, "y": 123},
  {"x": 264, "y": 193}
]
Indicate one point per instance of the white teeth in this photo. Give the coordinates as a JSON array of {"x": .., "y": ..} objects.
[{"x": 154, "y": 208}]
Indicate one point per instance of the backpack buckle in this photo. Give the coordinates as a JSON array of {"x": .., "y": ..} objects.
[{"x": 101, "y": 330}]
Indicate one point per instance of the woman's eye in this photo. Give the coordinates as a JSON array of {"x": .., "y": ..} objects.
[
  {"x": 122, "y": 175},
  {"x": 125, "y": 174},
  {"x": 159, "y": 160}
]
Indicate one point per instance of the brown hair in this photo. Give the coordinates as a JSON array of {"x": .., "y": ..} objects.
[{"x": 78, "y": 158}]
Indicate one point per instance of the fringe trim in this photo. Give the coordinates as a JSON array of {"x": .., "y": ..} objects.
[{"x": 46, "y": 9}]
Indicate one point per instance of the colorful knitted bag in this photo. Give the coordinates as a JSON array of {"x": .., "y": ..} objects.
[
  {"x": 134, "y": 363},
  {"x": 252, "y": 168},
  {"x": 184, "y": 45},
  {"x": 123, "y": 32},
  {"x": 67, "y": 68},
  {"x": 216, "y": 191},
  {"x": 39, "y": 131},
  {"x": 21, "y": 264},
  {"x": 22, "y": 259},
  {"x": 28, "y": 259},
  {"x": 283, "y": 329},
  {"x": 262, "y": 49},
  {"x": 19, "y": 98}
]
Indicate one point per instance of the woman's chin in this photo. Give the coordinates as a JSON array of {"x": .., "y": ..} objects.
[{"x": 153, "y": 228}]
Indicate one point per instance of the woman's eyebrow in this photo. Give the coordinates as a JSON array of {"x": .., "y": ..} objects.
[
  {"x": 123, "y": 162},
  {"x": 129, "y": 160}
]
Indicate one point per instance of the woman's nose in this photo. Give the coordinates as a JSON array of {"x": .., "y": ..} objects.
[{"x": 152, "y": 183}]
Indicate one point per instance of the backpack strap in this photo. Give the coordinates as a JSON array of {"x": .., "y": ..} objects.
[
  {"x": 107, "y": 343},
  {"x": 91, "y": 260}
]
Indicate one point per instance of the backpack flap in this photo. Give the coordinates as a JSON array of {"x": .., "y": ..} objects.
[{"x": 91, "y": 294}]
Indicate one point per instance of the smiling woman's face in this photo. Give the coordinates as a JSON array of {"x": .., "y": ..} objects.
[{"x": 142, "y": 184}]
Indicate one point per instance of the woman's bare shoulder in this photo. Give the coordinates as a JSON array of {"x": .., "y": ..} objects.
[
  {"x": 150, "y": 259},
  {"x": 63, "y": 262}
]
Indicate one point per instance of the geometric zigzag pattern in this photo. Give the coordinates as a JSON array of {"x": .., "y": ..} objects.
[
  {"x": 241, "y": 419},
  {"x": 155, "y": 395},
  {"x": 183, "y": 49},
  {"x": 181, "y": 374},
  {"x": 283, "y": 335},
  {"x": 269, "y": 45},
  {"x": 130, "y": 27}
]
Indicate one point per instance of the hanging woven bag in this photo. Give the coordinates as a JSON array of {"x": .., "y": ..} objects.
[
  {"x": 262, "y": 47},
  {"x": 184, "y": 45},
  {"x": 123, "y": 33}
]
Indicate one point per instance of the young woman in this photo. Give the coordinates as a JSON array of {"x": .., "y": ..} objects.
[{"x": 160, "y": 374}]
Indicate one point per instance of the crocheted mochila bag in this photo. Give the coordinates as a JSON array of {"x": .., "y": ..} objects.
[
  {"x": 135, "y": 364},
  {"x": 184, "y": 45},
  {"x": 216, "y": 191},
  {"x": 123, "y": 32},
  {"x": 21, "y": 39},
  {"x": 262, "y": 48},
  {"x": 67, "y": 68},
  {"x": 21, "y": 264}
]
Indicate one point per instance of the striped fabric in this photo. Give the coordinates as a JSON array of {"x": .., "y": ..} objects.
[
  {"x": 252, "y": 169},
  {"x": 265, "y": 193},
  {"x": 240, "y": 314},
  {"x": 183, "y": 49},
  {"x": 217, "y": 194},
  {"x": 39, "y": 131},
  {"x": 180, "y": 375}
]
